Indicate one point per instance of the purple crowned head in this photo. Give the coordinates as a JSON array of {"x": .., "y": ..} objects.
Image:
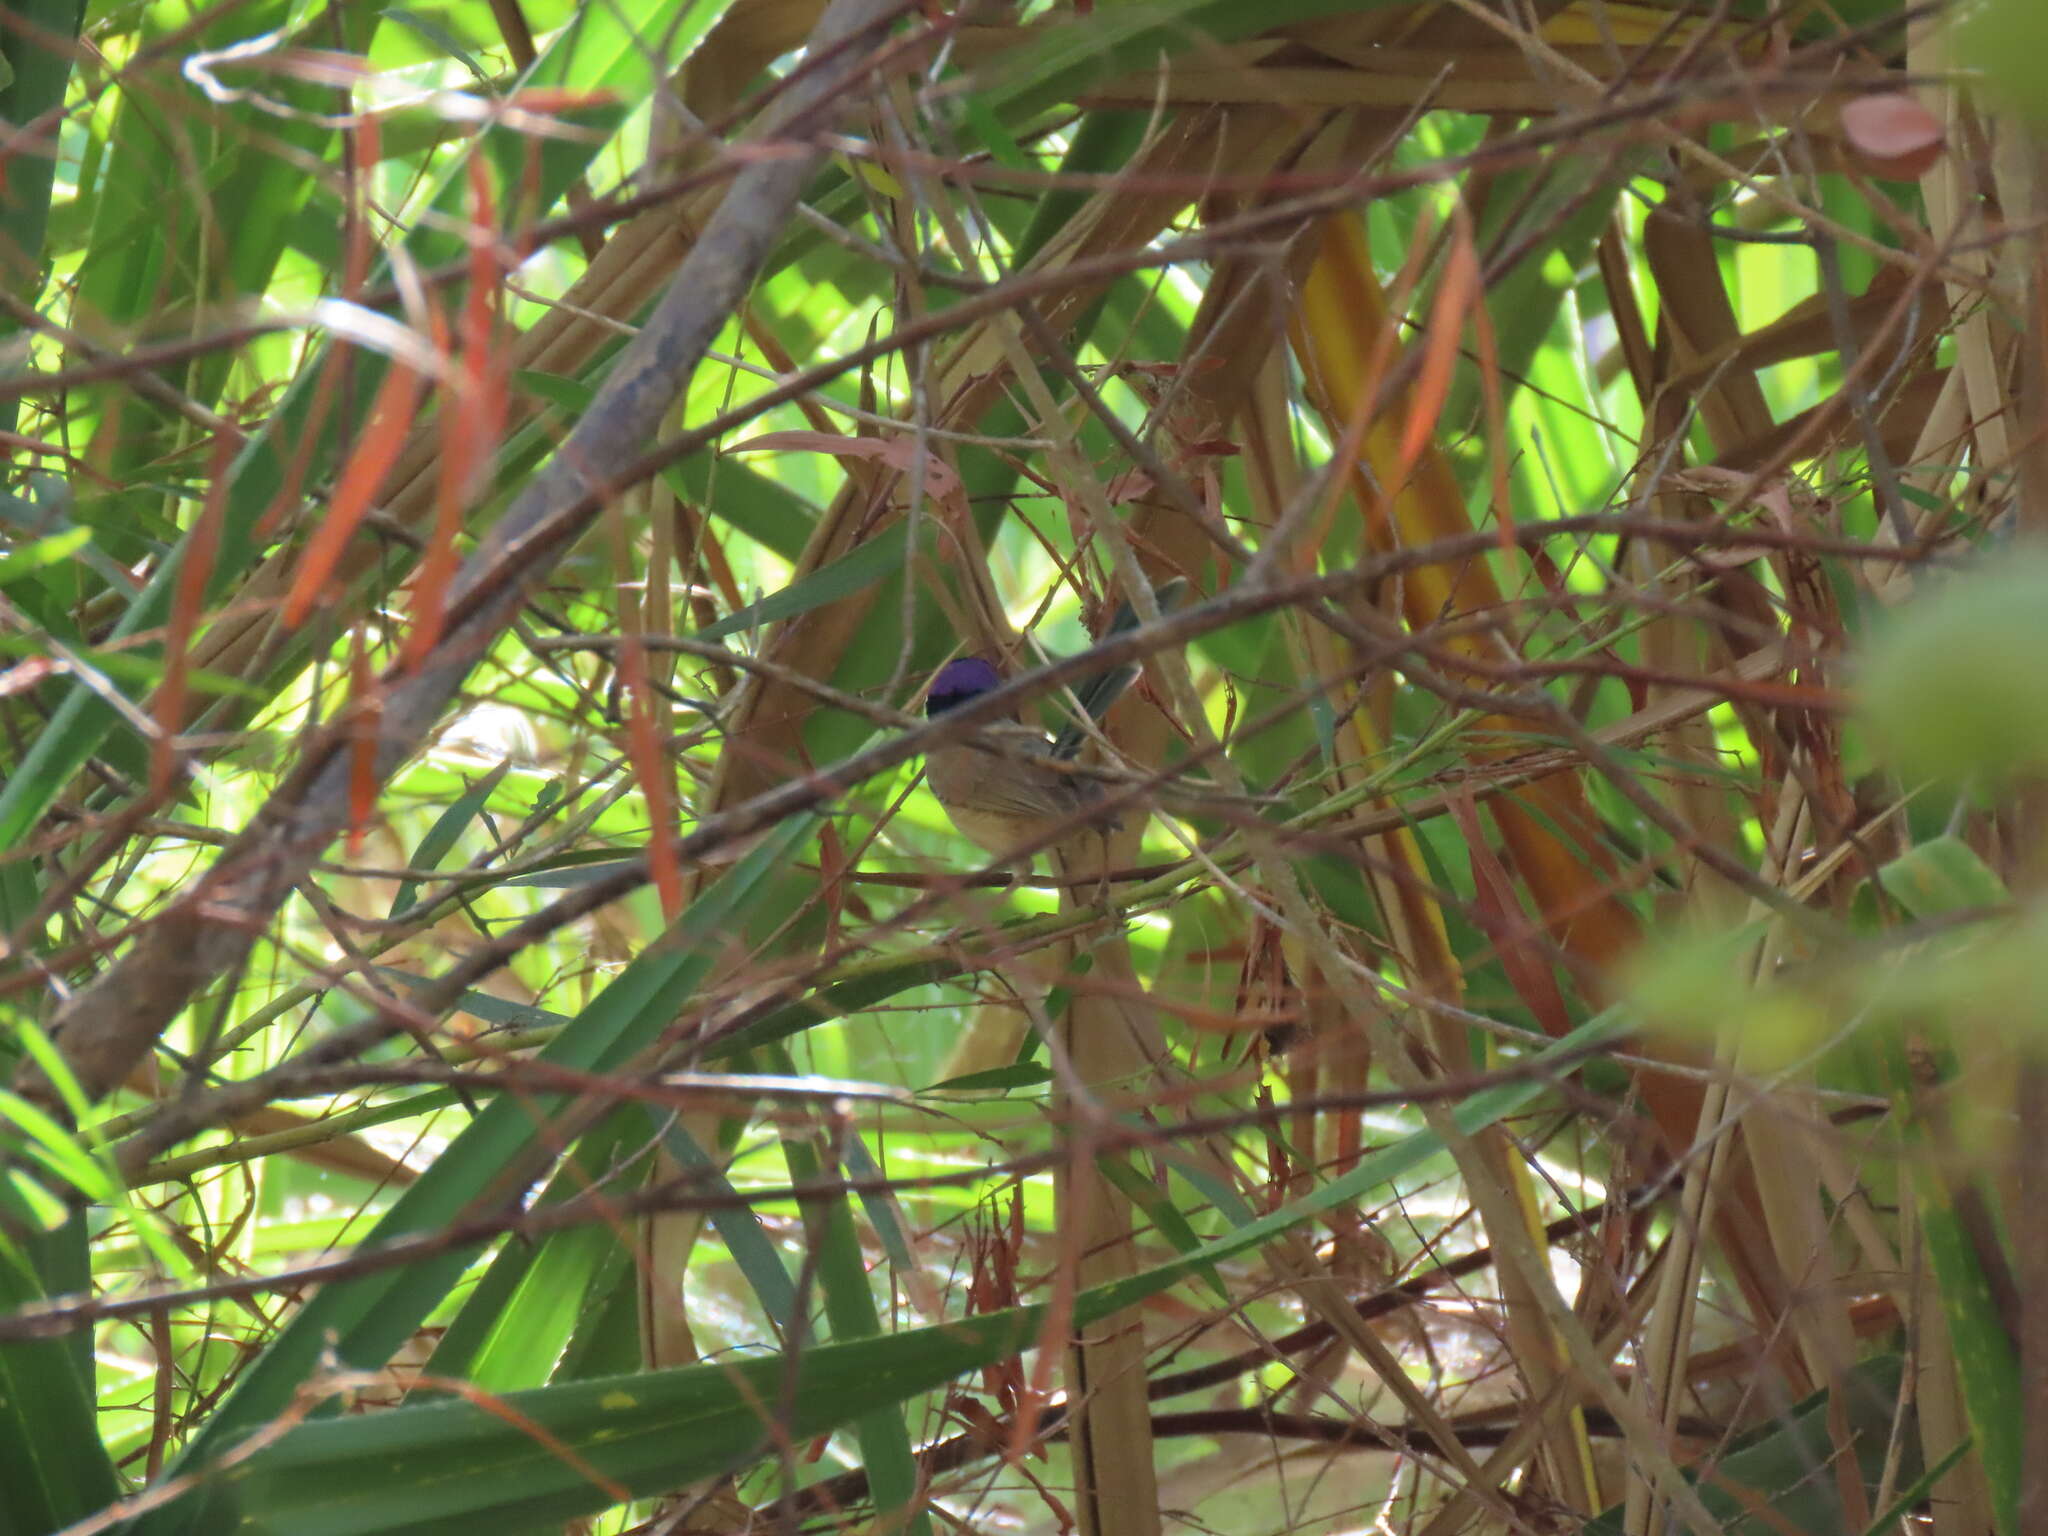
[{"x": 959, "y": 681}]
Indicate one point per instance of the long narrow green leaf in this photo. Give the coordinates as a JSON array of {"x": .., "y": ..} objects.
[
  {"x": 882, "y": 1433},
  {"x": 854, "y": 571},
  {"x": 442, "y": 836},
  {"x": 53, "y": 1469},
  {"x": 37, "y": 73},
  {"x": 1937, "y": 878},
  {"x": 527, "y": 1327},
  {"x": 363, "y": 1321},
  {"x": 735, "y": 1222},
  {"x": 458, "y": 1467},
  {"x": 1784, "y": 1477}
]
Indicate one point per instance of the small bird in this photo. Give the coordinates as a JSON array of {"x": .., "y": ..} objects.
[
  {"x": 1012, "y": 784},
  {"x": 1009, "y": 785}
]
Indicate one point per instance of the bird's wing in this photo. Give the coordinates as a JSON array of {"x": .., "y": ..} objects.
[{"x": 1013, "y": 775}]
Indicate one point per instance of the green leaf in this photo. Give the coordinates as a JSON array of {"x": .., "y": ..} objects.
[
  {"x": 1785, "y": 1472},
  {"x": 2006, "y": 39},
  {"x": 736, "y": 493},
  {"x": 1018, "y": 1074},
  {"x": 443, "y": 835},
  {"x": 52, "y": 1466},
  {"x": 139, "y": 671},
  {"x": 877, "y": 984},
  {"x": 36, "y": 49},
  {"x": 734, "y": 1221},
  {"x": 1172, "y": 1226},
  {"x": 362, "y": 1321},
  {"x": 584, "y": 867},
  {"x": 439, "y": 38},
  {"x": 527, "y": 1324},
  {"x": 1943, "y": 876},
  {"x": 500, "y": 1011},
  {"x": 452, "y": 1468},
  {"x": 855, "y": 571},
  {"x": 44, "y": 552},
  {"x": 572, "y": 395},
  {"x": 1987, "y": 1362},
  {"x": 883, "y": 1435},
  {"x": 1954, "y": 684}
]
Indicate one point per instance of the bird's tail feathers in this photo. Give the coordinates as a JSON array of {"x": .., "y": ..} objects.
[{"x": 1100, "y": 693}]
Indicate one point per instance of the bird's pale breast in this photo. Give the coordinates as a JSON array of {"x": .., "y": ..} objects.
[{"x": 1000, "y": 799}]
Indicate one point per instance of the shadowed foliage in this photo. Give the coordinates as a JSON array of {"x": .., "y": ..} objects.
[{"x": 1529, "y": 1025}]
